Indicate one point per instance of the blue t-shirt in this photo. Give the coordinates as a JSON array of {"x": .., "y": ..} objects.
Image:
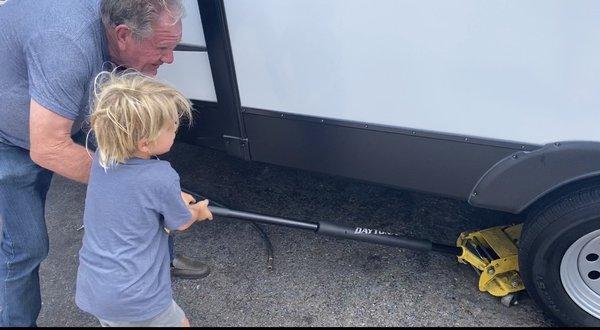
[
  {"x": 124, "y": 264},
  {"x": 50, "y": 51}
]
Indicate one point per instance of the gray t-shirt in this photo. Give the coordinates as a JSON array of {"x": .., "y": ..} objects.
[
  {"x": 124, "y": 262},
  {"x": 50, "y": 51}
]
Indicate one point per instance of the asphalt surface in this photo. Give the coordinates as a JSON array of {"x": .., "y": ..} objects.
[{"x": 316, "y": 280}]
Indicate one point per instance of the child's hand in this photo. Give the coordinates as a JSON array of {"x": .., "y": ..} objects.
[
  {"x": 187, "y": 198},
  {"x": 201, "y": 211}
]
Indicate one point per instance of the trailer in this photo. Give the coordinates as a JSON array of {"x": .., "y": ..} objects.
[{"x": 495, "y": 103}]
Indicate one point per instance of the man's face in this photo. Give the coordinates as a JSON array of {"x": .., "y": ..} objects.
[{"x": 151, "y": 52}]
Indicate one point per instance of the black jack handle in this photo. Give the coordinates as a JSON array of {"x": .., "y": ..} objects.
[{"x": 330, "y": 229}]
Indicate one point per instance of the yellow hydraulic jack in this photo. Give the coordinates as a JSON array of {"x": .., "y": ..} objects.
[{"x": 493, "y": 253}]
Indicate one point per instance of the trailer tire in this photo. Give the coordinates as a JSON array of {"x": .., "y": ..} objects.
[{"x": 557, "y": 260}]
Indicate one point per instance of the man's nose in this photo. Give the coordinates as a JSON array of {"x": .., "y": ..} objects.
[{"x": 168, "y": 58}]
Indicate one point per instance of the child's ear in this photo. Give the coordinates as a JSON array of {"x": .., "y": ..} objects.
[{"x": 143, "y": 145}]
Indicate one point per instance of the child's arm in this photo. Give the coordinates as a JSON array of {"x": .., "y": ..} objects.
[{"x": 199, "y": 212}]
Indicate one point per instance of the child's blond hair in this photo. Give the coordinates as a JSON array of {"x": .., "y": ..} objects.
[{"x": 129, "y": 107}]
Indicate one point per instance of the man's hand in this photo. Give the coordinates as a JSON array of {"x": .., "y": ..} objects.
[
  {"x": 51, "y": 145},
  {"x": 187, "y": 198}
]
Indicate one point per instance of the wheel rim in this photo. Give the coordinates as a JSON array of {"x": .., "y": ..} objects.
[{"x": 580, "y": 273}]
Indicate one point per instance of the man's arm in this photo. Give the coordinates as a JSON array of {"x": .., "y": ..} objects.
[{"x": 51, "y": 145}]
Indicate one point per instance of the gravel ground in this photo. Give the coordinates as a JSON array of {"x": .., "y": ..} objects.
[{"x": 316, "y": 280}]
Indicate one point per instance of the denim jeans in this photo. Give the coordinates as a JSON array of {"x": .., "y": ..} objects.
[
  {"x": 24, "y": 240},
  {"x": 171, "y": 248}
]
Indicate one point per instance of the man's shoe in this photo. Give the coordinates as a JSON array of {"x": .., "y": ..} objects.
[{"x": 185, "y": 267}]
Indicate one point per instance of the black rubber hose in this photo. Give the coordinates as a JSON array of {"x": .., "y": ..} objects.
[
  {"x": 267, "y": 243},
  {"x": 263, "y": 235}
]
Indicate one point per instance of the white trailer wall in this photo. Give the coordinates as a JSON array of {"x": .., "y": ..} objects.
[{"x": 517, "y": 70}]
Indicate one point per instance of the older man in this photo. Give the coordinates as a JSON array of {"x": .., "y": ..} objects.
[{"x": 49, "y": 53}]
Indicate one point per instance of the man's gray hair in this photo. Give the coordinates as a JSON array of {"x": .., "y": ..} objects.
[{"x": 139, "y": 15}]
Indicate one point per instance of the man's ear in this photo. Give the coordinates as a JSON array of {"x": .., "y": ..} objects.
[{"x": 123, "y": 35}]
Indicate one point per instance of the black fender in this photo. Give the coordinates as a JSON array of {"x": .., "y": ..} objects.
[{"x": 517, "y": 181}]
